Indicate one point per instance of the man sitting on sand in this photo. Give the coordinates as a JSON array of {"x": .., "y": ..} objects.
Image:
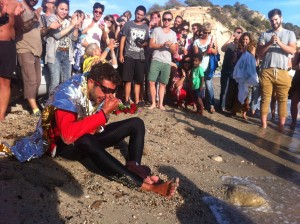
[{"x": 74, "y": 121}]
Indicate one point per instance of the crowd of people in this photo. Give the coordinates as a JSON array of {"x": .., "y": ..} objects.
[{"x": 88, "y": 58}]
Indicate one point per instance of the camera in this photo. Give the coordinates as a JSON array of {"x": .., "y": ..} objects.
[
  {"x": 120, "y": 19},
  {"x": 139, "y": 42}
]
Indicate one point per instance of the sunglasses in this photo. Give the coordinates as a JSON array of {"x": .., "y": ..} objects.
[
  {"x": 167, "y": 19},
  {"x": 105, "y": 89},
  {"x": 98, "y": 12},
  {"x": 185, "y": 29}
]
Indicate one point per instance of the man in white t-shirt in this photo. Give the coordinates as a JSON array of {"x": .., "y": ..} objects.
[
  {"x": 91, "y": 26},
  {"x": 163, "y": 41}
]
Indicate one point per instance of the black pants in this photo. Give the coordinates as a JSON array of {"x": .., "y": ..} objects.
[{"x": 94, "y": 147}]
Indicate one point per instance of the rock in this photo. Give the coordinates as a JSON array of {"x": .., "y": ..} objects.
[
  {"x": 244, "y": 196},
  {"x": 217, "y": 158},
  {"x": 96, "y": 204}
]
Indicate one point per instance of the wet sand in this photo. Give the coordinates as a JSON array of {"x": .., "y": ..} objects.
[{"x": 177, "y": 143}]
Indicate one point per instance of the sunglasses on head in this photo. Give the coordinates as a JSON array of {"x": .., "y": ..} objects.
[
  {"x": 167, "y": 19},
  {"x": 98, "y": 12},
  {"x": 105, "y": 89}
]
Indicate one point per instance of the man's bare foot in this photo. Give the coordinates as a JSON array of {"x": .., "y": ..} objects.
[
  {"x": 167, "y": 189},
  {"x": 244, "y": 116},
  {"x": 151, "y": 180},
  {"x": 161, "y": 108},
  {"x": 152, "y": 107}
]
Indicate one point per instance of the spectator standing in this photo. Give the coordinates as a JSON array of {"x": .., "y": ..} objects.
[
  {"x": 155, "y": 21},
  {"x": 227, "y": 68},
  {"x": 29, "y": 51},
  {"x": 59, "y": 50},
  {"x": 195, "y": 27},
  {"x": 91, "y": 26},
  {"x": 164, "y": 43},
  {"x": 177, "y": 22},
  {"x": 207, "y": 45},
  {"x": 198, "y": 83},
  {"x": 294, "y": 92},
  {"x": 274, "y": 46},
  {"x": 132, "y": 54},
  {"x": 8, "y": 54}
]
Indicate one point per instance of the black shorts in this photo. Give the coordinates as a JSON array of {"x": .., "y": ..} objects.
[
  {"x": 133, "y": 69},
  {"x": 8, "y": 59}
]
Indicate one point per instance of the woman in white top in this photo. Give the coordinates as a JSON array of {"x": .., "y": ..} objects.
[{"x": 206, "y": 45}]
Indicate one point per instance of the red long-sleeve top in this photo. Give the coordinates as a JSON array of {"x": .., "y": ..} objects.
[{"x": 69, "y": 129}]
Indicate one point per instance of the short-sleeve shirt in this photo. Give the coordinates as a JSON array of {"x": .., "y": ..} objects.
[
  {"x": 275, "y": 57},
  {"x": 163, "y": 54},
  {"x": 197, "y": 74},
  {"x": 95, "y": 33},
  {"x": 132, "y": 31}
]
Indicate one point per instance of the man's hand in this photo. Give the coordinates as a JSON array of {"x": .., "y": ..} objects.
[
  {"x": 121, "y": 58},
  {"x": 37, "y": 13},
  {"x": 111, "y": 103}
]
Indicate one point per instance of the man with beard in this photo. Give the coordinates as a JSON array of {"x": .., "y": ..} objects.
[
  {"x": 29, "y": 50},
  {"x": 132, "y": 54},
  {"x": 163, "y": 41},
  {"x": 274, "y": 46},
  {"x": 74, "y": 123}
]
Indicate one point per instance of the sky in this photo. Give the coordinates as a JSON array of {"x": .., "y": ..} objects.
[{"x": 289, "y": 8}]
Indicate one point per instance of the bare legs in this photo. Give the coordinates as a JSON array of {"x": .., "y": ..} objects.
[
  {"x": 127, "y": 90},
  {"x": 294, "y": 107},
  {"x": 5, "y": 95},
  {"x": 137, "y": 90},
  {"x": 161, "y": 94},
  {"x": 33, "y": 104}
]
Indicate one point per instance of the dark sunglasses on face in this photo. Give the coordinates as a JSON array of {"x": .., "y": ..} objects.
[
  {"x": 185, "y": 29},
  {"x": 98, "y": 12},
  {"x": 105, "y": 89},
  {"x": 167, "y": 19}
]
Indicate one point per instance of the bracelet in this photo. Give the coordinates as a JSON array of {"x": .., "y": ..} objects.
[{"x": 107, "y": 49}]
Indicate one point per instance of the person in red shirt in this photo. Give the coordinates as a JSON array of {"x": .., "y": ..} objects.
[{"x": 76, "y": 115}]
